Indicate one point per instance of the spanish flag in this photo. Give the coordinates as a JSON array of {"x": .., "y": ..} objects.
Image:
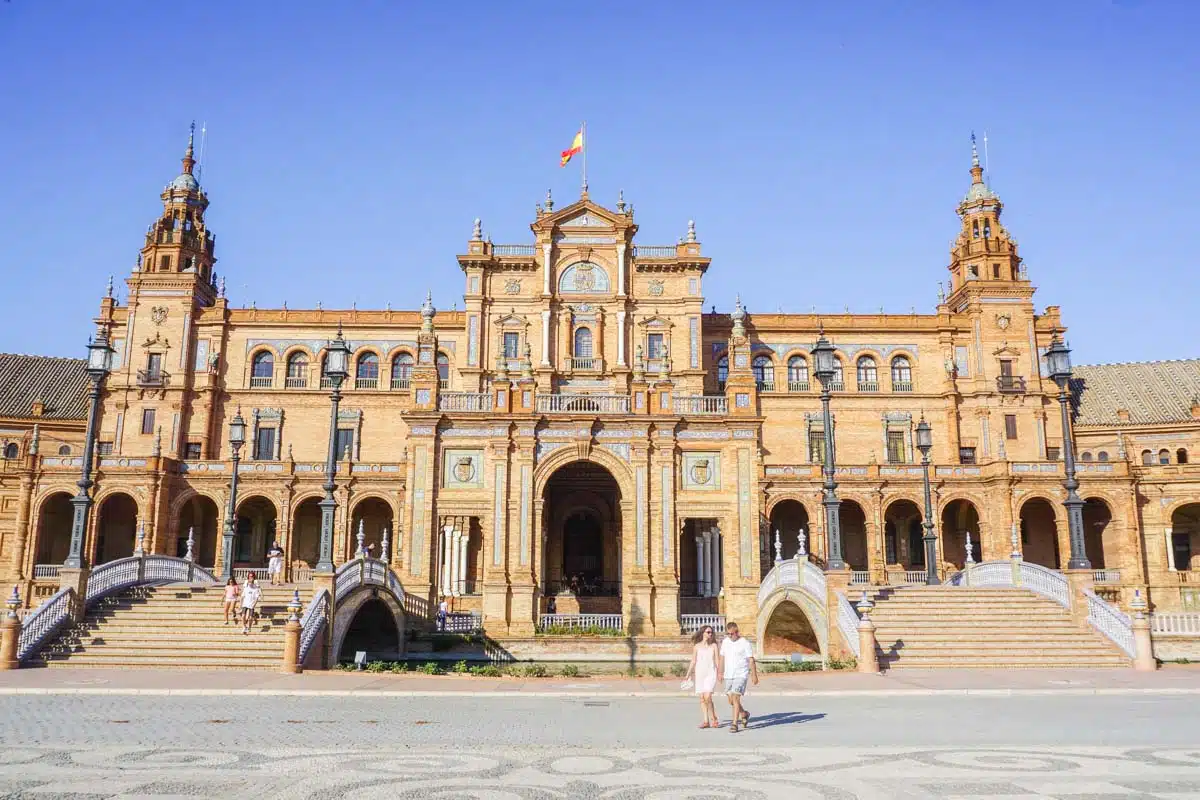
[{"x": 575, "y": 149}]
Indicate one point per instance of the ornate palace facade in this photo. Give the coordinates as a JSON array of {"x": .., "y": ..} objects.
[{"x": 584, "y": 430}]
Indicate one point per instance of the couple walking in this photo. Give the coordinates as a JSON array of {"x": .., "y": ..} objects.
[{"x": 734, "y": 662}]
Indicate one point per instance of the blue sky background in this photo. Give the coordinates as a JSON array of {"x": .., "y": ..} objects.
[{"x": 820, "y": 149}]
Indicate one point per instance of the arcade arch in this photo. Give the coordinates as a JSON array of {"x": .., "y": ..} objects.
[
  {"x": 581, "y": 559},
  {"x": 116, "y": 528}
]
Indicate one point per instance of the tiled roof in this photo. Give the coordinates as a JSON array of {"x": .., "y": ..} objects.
[
  {"x": 60, "y": 383},
  {"x": 1153, "y": 392}
]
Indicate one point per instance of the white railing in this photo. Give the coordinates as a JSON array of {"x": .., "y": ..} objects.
[
  {"x": 693, "y": 623},
  {"x": 366, "y": 383},
  {"x": 261, "y": 381},
  {"x": 44, "y": 622},
  {"x": 860, "y": 577},
  {"x": 302, "y": 574},
  {"x": 848, "y": 624},
  {"x": 654, "y": 251},
  {"x": 365, "y": 572},
  {"x": 312, "y": 623},
  {"x": 1106, "y": 576},
  {"x": 46, "y": 570},
  {"x": 800, "y": 574},
  {"x": 605, "y": 622},
  {"x": 299, "y": 382},
  {"x": 908, "y": 577},
  {"x": 589, "y": 364},
  {"x": 701, "y": 404},
  {"x": 464, "y": 401},
  {"x": 462, "y": 622},
  {"x": 151, "y": 570},
  {"x": 1175, "y": 623},
  {"x": 514, "y": 249},
  {"x": 583, "y": 403},
  {"x": 1045, "y": 582},
  {"x": 242, "y": 574},
  {"x": 400, "y": 383},
  {"x": 797, "y": 386},
  {"x": 1112, "y": 622}
]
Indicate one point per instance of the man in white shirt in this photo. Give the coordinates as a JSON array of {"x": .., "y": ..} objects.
[{"x": 737, "y": 666}]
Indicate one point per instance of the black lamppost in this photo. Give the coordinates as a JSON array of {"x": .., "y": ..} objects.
[
  {"x": 825, "y": 366},
  {"x": 237, "y": 438},
  {"x": 925, "y": 444},
  {"x": 337, "y": 363},
  {"x": 1058, "y": 358},
  {"x": 100, "y": 359}
]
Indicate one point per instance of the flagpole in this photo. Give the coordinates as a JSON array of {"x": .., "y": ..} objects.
[{"x": 583, "y": 143}]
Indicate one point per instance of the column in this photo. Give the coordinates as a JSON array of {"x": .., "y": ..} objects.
[
  {"x": 621, "y": 337},
  {"x": 447, "y": 559},
  {"x": 715, "y": 559},
  {"x": 1167, "y": 533},
  {"x": 546, "y": 334},
  {"x": 546, "y": 252},
  {"x": 701, "y": 565},
  {"x": 463, "y": 537},
  {"x": 620, "y": 270}
]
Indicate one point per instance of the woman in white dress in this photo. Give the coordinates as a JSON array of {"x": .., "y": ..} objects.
[
  {"x": 703, "y": 672},
  {"x": 251, "y": 594},
  {"x": 275, "y": 563}
]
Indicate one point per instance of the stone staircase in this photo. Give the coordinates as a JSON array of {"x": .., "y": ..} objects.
[
  {"x": 178, "y": 627},
  {"x": 962, "y": 627}
]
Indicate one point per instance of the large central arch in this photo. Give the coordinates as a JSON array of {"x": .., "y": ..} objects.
[{"x": 582, "y": 521}]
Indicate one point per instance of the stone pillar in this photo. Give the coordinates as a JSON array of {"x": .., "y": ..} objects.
[
  {"x": 547, "y": 251},
  {"x": 1081, "y": 581},
  {"x": 75, "y": 578},
  {"x": 621, "y": 270},
  {"x": 701, "y": 564},
  {"x": 621, "y": 339},
  {"x": 10, "y": 632},
  {"x": 291, "y": 639},
  {"x": 546, "y": 336},
  {"x": 836, "y": 581},
  {"x": 463, "y": 539},
  {"x": 326, "y": 581},
  {"x": 1143, "y": 646},
  {"x": 715, "y": 544},
  {"x": 868, "y": 659}
]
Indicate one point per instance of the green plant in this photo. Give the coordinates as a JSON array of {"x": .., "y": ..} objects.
[
  {"x": 773, "y": 668},
  {"x": 565, "y": 630},
  {"x": 633, "y": 672},
  {"x": 678, "y": 670},
  {"x": 486, "y": 671},
  {"x": 535, "y": 671},
  {"x": 570, "y": 671},
  {"x": 376, "y": 666},
  {"x": 655, "y": 672},
  {"x": 429, "y": 668},
  {"x": 400, "y": 667},
  {"x": 460, "y": 668},
  {"x": 838, "y": 663}
]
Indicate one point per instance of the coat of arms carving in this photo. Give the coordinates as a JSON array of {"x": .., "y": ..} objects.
[
  {"x": 701, "y": 473},
  {"x": 158, "y": 314},
  {"x": 656, "y": 288},
  {"x": 1003, "y": 321},
  {"x": 464, "y": 469},
  {"x": 512, "y": 287},
  {"x": 585, "y": 279}
]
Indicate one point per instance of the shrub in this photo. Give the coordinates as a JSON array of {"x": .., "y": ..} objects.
[
  {"x": 486, "y": 671},
  {"x": 565, "y": 630},
  {"x": 400, "y": 667},
  {"x": 429, "y": 668},
  {"x": 633, "y": 672},
  {"x": 773, "y": 668},
  {"x": 376, "y": 666},
  {"x": 837, "y": 663},
  {"x": 678, "y": 670},
  {"x": 460, "y": 668},
  {"x": 570, "y": 671},
  {"x": 535, "y": 671},
  {"x": 655, "y": 672}
]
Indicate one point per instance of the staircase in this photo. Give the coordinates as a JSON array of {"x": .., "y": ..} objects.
[
  {"x": 964, "y": 627},
  {"x": 178, "y": 627}
]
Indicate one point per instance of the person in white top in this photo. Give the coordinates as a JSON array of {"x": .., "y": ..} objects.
[
  {"x": 737, "y": 666},
  {"x": 251, "y": 594}
]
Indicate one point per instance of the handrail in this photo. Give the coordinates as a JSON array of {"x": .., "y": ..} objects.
[
  {"x": 312, "y": 623},
  {"x": 44, "y": 622},
  {"x": 1111, "y": 622},
  {"x": 848, "y": 624},
  {"x": 366, "y": 571},
  {"x": 803, "y": 575},
  {"x": 148, "y": 570},
  {"x": 1038, "y": 579}
]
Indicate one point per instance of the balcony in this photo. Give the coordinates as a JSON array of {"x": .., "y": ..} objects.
[
  {"x": 837, "y": 386},
  {"x": 765, "y": 386},
  {"x": 583, "y": 403},
  {"x": 296, "y": 382},
  {"x": 514, "y": 249},
  {"x": 902, "y": 386},
  {"x": 701, "y": 405},
  {"x": 366, "y": 383},
  {"x": 400, "y": 383},
  {"x": 261, "y": 381},
  {"x": 588, "y": 364},
  {"x": 654, "y": 251},
  {"x": 477, "y": 402},
  {"x": 1010, "y": 384},
  {"x": 798, "y": 386},
  {"x": 152, "y": 377},
  {"x": 444, "y": 384},
  {"x": 868, "y": 386}
]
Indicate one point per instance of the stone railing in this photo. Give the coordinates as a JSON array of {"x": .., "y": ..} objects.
[
  {"x": 907, "y": 577},
  {"x": 693, "y": 623},
  {"x": 149, "y": 570},
  {"x": 605, "y": 622},
  {"x": 1108, "y": 576},
  {"x": 261, "y": 381},
  {"x": 46, "y": 570},
  {"x": 514, "y": 249},
  {"x": 1046, "y": 582},
  {"x": 588, "y": 364},
  {"x": 799, "y": 574},
  {"x": 848, "y": 624},
  {"x": 44, "y": 622},
  {"x": 1175, "y": 623},
  {"x": 462, "y": 622},
  {"x": 698, "y": 405},
  {"x": 654, "y": 251},
  {"x": 465, "y": 401},
  {"x": 312, "y": 623},
  {"x": 583, "y": 403},
  {"x": 242, "y": 574},
  {"x": 1109, "y": 620},
  {"x": 860, "y": 577}
]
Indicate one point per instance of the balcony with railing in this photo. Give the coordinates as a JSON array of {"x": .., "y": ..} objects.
[
  {"x": 296, "y": 382},
  {"x": 765, "y": 386},
  {"x": 444, "y": 384},
  {"x": 585, "y": 364},
  {"x": 261, "y": 381},
  {"x": 512, "y": 250},
  {"x": 366, "y": 383},
  {"x": 654, "y": 251},
  {"x": 400, "y": 383},
  {"x": 837, "y": 386},
  {"x": 868, "y": 386},
  {"x": 798, "y": 386},
  {"x": 902, "y": 386},
  {"x": 1010, "y": 384},
  {"x": 152, "y": 377},
  {"x": 575, "y": 403},
  {"x": 701, "y": 405},
  {"x": 326, "y": 382},
  {"x": 465, "y": 401}
]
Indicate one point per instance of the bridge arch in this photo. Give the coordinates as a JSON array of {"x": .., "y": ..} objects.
[{"x": 369, "y": 615}]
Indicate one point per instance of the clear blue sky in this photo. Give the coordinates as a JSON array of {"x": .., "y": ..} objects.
[{"x": 821, "y": 150}]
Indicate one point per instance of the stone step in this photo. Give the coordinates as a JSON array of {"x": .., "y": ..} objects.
[
  {"x": 213, "y": 640},
  {"x": 267, "y": 650},
  {"x": 158, "y": 662}
]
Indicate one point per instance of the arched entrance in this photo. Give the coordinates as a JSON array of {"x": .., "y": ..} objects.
[
  {"x": 54, "y": 530},
  {"x": 255, "y": 532},
  {"x": 582, "y": 556},
  {"x": 200, "y": 516},
  {"x": 1039, "y": 534},
  {"x": 375, "y": 518},
  {"x": 372, "y": 630},
  {"x": 903, "y": 535},
  {"x": 854, "y": 534},
  {"x": 788, "y": 518},
  {"x": 306, "y": 533},
  {"x": 1185, "y": 538},
  {"x": 788, "y": 631},
  {"x": 960, "y": 520},
  {"x": 1097, "y": 532},
  {"x": 116, "y": 528}
]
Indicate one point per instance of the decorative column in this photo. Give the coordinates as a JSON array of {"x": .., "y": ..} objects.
[
  {"x": 701, "y": 564},
  {"x": 621, "y": 339},
  {"x": 463, "y": 536},
  {"x": 547, "y": 250},
  {"x": 546, "y": 336},
  {"x": 621, "y": 270}
]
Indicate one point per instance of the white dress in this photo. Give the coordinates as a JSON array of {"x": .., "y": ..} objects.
[{"x": 706, "y": 668}]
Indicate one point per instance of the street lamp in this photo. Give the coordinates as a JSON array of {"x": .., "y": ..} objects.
[
  {"x": 337, "y": 368},
  {"x": 1058, "y": 359},
  {"x": 925, "y": 444},
  {"x": 99, "y": 365},
  {"x": 825, "y": 364},
  {"x": 237, "y": 438}
]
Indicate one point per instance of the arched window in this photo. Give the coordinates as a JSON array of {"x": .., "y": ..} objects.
[
  {"x": 868, "y": 375},
  {"x": 297, "y": 371},
  {"x": 901, "y": 374},
  {"x": 722, "y": 372},
  {"x": 366, "y": 374},
  {"x": 583, "y": 342},
  {"x": 1181, "y": 456},
  {"x": 1102, "y": 456},
  {"x": 764, "y": 373},
  {"x": 1147, "y": 458},
  {"x": 443, "y": 368},
  {"x": 402, "y": 366},
  {"x": 65, "y": 450},
  {"x": 1164, "y": 456},
  {"x": 262, "y": 369},
  {"x": 987, "y": 229},
  {"x": 797, "y": 374},
  {"x": 839, "y": 376},
  {"x": 975, "y": 230},
  {"x": 1085, "y": 456},
  {"x": 10, "y": 450}
]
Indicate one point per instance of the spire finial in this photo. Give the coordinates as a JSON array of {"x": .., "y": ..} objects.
[
  {"x": 549, "y": 202},
  {"x": 691, "y": 230},
  {"x": 621, "y": 200},
  {"x": 188, "y": 160},
  {"x": 974, "y": 151},
  {"x": 110, "y": 285},
  {"x": 583, "y": 193},
  {"x": 427, "y": 312},
  {"x": 477, "y": 235}
]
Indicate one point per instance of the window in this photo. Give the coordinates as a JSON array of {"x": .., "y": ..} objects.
[
  {"x": 344, "y": 445},
  {"x": 154, "y": 366},
  {"x": 868, "y": 375},
  {"x": 65, "y": 450},
  {"x": 722, "y": 371},
  {"x": 1164, "y": 457},
  {"x": 816, "y": 446},
  {"x": 797, "y": 374},
  {"x": 583, "y": 343},
  {"x": 443, "y": 370},
  {"x": 966, "y": 455},
  {"x": 297, "y": 370},
  {"x": 402, "y": 370},
  {"x": 995, "y": 272},
  {"x": 895, "y": 447},
  {"x": 975, "y": 229},
  {"x": 839, "y": 380},
  {"x": 104, "y": 448},
  {"x": 987, "y": 229},
  {"x": 367, "y": 370},
  {"x": 512, "y": 345},
  {"x": 654, "y": 346},
  {"x": 1102, "y": 456},
  {"x": 1010, "y": 426},
  {"x": 1181, "y": 456},
  {"x": 1015, "y": 272},
  {"x": 164, "y": 264},
  {"x": 1181, "y": 550},
  {"x": 262, "y": 369},
  {"x": 1147, "y": 458},
  {"x": 1085, "y": 457},
  {"x": 10, "y": 450},
  {"x": 264, "y": 444},
  {"x": 191, "y": 451},
  {"x": 764, "y": 372},
  {"x": 147, "y": 421},
  {"x": 901, "y": 374},
  {"x": 1053, "y": 454}
]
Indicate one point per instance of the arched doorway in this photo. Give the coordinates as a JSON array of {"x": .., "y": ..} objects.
[
  {"x": 54, "y": 530},
  {"x": 255, "y": 532},
  {"x": 1039, "y": 534},
  {"x": 789, "y": 631},
  {"x": 306, "y": 534},
  {"x": 372, "y": 630},
  {"x": 903, "y": 536},
  {"x": 200, "y": 516},
  {"x": 582, "y": 554},
  {"x": 1185, "y": 538},
  {"x": 788, "y": 518},
  {"x": 116, "y": 528},
  {"x": 375, "y": 517},
  {"x": 960, "y": 520},
  {"x": 854, "y": 534},
  {"x": 1097, "y": 532}
]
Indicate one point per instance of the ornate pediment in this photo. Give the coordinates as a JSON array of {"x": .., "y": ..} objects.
[
  {"x": 655, "y": 322},
  {"x": 1007, "y": 350},
  {"x": 585, "y": 220}
]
